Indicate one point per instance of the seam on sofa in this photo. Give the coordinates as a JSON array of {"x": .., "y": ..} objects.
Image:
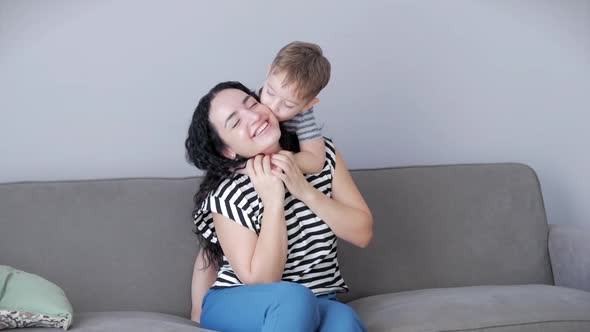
[
  {"x": 445, "y": 166},
  {"x": 200, "y": 176},
  {"x": 518, "y": 324},
  {"x": 146, "y": 178}
]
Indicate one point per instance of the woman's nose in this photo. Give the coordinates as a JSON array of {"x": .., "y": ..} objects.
[{"x": 253, "y": 116}]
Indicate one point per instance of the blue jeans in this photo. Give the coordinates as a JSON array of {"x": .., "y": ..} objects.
[{"x": 281, "y": 306}]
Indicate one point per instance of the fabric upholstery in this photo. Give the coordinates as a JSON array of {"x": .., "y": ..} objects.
[
  {"x": 449, "y": 226},
  {"x": 569, "y": 247},
  {"x": 127, "y": 245},
  {"x": 110, "y": 244},
  {"x": 127, "y": 321},
  {"x": 491, "y": 308}
]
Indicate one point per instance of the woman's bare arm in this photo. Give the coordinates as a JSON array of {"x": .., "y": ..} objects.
[
  {"x": 258, "y": 258},
  {"x": 346, "y": 212},
  {"x": 203, "y": 279}
]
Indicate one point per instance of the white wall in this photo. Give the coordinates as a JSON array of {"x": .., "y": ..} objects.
[{"x": 103, "y": 89}]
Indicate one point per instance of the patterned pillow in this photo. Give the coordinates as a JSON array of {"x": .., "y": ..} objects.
[{"x": 28, "y": 300}]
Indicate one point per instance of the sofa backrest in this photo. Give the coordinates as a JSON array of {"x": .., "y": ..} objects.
[
  {"x": 110, "y": 244},
  {"x": 128, "y": 244},
  {"x": 449, "y": 226}
]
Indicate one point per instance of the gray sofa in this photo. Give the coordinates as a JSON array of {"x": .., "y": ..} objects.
[{"x": 455, "y": 248}]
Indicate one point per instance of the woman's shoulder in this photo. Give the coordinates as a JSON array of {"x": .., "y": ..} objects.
[
  {"x": 329, "y": 143},
  {"x": 232, "y": 183},
  {"x": 330, "y": 152},
  {"x": 236, "y": 190}
]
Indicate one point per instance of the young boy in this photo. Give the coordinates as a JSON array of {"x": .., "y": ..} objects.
[{"x": 296, "y": 76}]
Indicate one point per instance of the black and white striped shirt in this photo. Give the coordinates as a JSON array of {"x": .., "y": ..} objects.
[{"x": 312, "y": 249}]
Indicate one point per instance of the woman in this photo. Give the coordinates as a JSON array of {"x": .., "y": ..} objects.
[{"x": 275, "y": 249}]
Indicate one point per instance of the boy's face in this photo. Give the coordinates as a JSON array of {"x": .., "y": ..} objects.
[{"x": 283, "y": 100}]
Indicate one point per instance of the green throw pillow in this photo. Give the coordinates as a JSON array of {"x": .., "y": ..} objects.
[{"x": 27, "y": 300}]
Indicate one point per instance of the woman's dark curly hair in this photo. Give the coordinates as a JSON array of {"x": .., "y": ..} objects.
[{"x": 204, "y": 149}]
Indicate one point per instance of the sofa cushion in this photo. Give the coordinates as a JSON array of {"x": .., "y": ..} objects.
[
  {"x": 127, "y": 321},
  {"x": 449, "y": 226},
  {"x": 481, "y": 308},
  {"x": 569, "y": 245},
  {"x": 131, "y": 240}
]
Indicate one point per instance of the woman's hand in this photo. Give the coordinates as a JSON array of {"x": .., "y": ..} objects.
[
  {"x": 285, "y": 168},
  {"x": 268, "y": 186}
]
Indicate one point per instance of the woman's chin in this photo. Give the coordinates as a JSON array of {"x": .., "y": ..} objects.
[
  {"x": 265, "y": 143},
  {"x": 271, "y": 143}
]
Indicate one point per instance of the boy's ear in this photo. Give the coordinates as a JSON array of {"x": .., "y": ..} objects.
[
  {"x": 311, "y": 104},
  {"x": 229, "y": 153}
]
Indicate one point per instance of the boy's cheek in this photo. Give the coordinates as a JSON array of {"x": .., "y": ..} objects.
[
  {"x": 276, "y": 114},
  {"x": 265, "y": 99},
  {"x": 281, "y": 116},
  {"x": 267, "y": 103}
]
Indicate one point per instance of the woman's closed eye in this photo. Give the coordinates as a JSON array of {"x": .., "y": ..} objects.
[{"x": 235, "y": 124}]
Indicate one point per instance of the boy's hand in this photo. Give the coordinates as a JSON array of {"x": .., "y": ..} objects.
[
  {"x": 267, "y": 185},
  {"x": 286, "y": 169}
]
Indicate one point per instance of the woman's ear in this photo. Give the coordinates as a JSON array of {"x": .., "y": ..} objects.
[{"x": 229, "y": 153}]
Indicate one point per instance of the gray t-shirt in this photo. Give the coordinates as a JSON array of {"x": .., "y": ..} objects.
[{"x": 302, "y": 124}]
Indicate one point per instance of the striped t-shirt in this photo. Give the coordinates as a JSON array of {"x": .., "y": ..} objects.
[
  {"x": 312, "y": 246},
  {"x": 304, "y": 125}
]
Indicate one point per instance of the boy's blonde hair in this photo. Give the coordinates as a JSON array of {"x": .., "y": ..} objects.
[{"x": 305, "y": 66}]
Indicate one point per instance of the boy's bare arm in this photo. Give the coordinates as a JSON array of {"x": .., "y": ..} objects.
[
  {"x": 203, "y": 279},
  {"x": 312, "y": 155},
  {"x": 312, "y": 148}
]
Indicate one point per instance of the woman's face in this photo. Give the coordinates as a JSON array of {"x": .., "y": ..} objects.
[{"x": 246, "y": 126}]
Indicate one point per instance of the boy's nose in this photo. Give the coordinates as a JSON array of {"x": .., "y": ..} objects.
[{"x": 274, "y": 105}]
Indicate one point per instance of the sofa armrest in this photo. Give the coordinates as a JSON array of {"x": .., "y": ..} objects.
[{"x": 569, "y": 250}]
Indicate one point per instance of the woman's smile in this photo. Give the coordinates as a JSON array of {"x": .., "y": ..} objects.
[
  {"x": 261, "y": 128},
  {"x": 244, "y": 124}
]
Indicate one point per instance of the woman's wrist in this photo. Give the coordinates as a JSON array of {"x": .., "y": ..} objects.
[
  {"x": 308, "y": 194},
  {"x": 274, "y": 204}
]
